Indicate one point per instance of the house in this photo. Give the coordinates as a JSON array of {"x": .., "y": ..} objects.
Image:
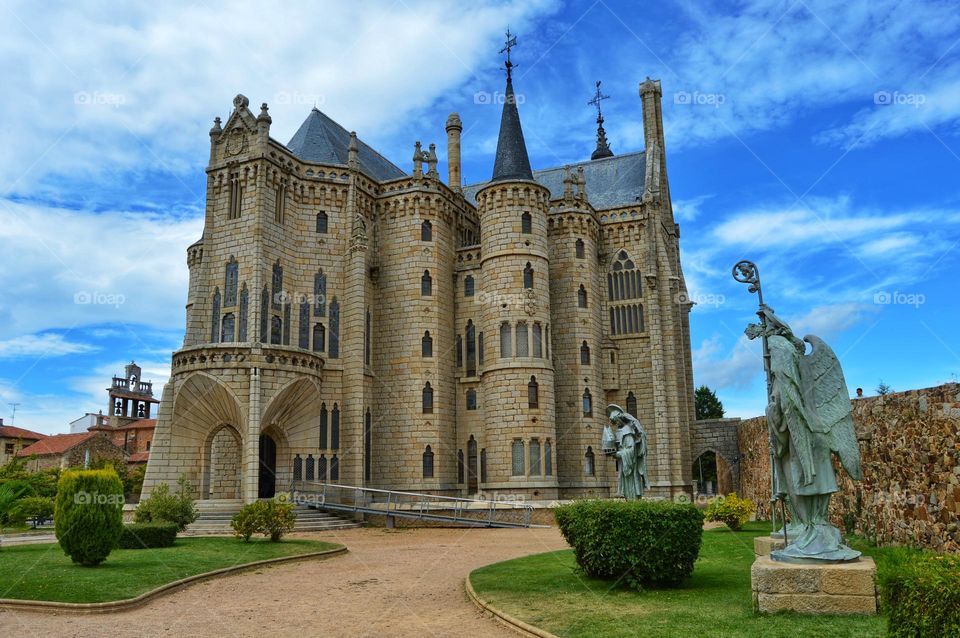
[
  {"x": 13, "y": 439},
  {"x": 71, "y": 450}
]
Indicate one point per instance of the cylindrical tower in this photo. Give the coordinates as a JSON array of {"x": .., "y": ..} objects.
[{"x": 454, "y": 128}]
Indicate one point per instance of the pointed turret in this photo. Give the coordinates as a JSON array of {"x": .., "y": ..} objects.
[{"x": 511, "y": 161}]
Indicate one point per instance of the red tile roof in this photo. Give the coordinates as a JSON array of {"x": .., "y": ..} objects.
[
  {"x": 142, "y": 424},
  {"x": 11, "y": 432},
  {"x": 138, "y": 457},
  {"x": 57, "y": 444}
]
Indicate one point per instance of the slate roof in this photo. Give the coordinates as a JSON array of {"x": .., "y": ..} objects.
[
  {"x": 611, "y": 182},
  {"x": 11, "y": 432},
  {"x": 511, "y": 161},
  {"x": 57, "y": 444},
  {"x": 319, "y": 139}
]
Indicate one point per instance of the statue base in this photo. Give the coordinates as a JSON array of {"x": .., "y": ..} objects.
[
  {"x": 763, "y": 545},
  {"x": 815, "y": 589}
]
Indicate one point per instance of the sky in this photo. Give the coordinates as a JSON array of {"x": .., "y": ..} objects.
[{"x": 820, "y": 140}]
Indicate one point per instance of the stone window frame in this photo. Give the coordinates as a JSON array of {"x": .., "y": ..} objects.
[
  {"x": 428, "y": 467},
  {"x": 589, "y": 462},
  {"x": 471, "y": 398},
  {"x": 522, "y": 332},
  {"x": 228, "y": 320},
  {"x": 587, "y": 402},
  {"x": 579, "y": 249},
  {"x": 506, "y": 340},
  {"x": 426, "y": 284},
  {"x": 426, "y": 399},
  {"x": 528, "y": 275},
  {"x": 533, "y": 393},
  {"x": 426, "y": 345},
  {"x": 632, "y": 403},
  {"x": 323, "y": 223},
  {"x": 584, "y": 353},
  {"x": 231, "y": 282},
  {"x": 533, "y": 451},
  {"x": 426, "y": 230},
  {"x": 582, "y": 297},
  {"x": 518, "y": 458},
  {"x": 547, "y": 457},
  {"x": 468, "y": 286},
  {"x": 319, "y": 337},
  {"x": 526, "y": 223}
]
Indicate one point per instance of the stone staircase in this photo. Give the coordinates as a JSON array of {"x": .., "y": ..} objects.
[{"x": 215, "y": 518}]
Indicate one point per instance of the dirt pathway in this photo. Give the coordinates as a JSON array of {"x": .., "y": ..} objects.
[{"x": 392, "y": 583}]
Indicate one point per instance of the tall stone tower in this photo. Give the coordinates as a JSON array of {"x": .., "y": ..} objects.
[{"x": 517, "y": 380}]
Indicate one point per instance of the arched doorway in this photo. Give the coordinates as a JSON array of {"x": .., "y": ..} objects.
[
  {"x": 704, "y": 473},
  {"x": 267, "y": 486}
]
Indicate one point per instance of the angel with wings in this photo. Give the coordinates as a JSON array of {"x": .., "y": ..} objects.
[{"x": 810, "y": 415}]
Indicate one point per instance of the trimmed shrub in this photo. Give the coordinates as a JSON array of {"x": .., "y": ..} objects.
[
  {"x": 246, "y": 522},
  {"x": 31, "y": 507},
  {"x": 270, "y": 518},
  {"x": 638, "y": 543},
  {"x": 922, "y": 597},
  {"x": 161, "y": 505},
  {"x": 148, "y": 535},
  {"x": 730, "y": 509},
  {"x": 10, "y": 493},
  {"x": 88, "y": 514}
]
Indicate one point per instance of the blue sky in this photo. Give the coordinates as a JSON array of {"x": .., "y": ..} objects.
[{"x": 819, "y": 139}]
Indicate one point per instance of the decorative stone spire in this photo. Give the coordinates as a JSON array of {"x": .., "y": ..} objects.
[
  {"x": 353, "y": 152},
  {"x": 603, "y": 149},
  {"x": 418, "y": 157},
  {"x": 567, "y": 186},
  {"x": 432, "y": 162},
  {"x": 216, "y": 130},
  {"x": 511, "y": 160},
  {"x": 264, "y": 115}
]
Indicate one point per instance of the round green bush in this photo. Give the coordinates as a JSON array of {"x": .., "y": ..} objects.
[
  {"x": 162, "y": 505},
  {"x": 270, "y": 518},
  {"x": 730, "y": 509},
  {"x": 148, "y": 535},
  {"x": 88, "y": 514},
  {"x": 637, "y": 543}
]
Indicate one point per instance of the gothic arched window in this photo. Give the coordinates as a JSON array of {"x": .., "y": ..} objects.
[
  {"x": 623, "y": 280},
  {"x": 276, "y": 290},
  {"x": 579, "y": 249},
  {"x": 506, "y": 337},
  {"x": 215, "y": 319},
  {"x": 587, "y": 403},
  {"x": 533, "y": 393},
  {"x": 632, "y": 403},
  {"x": 334, "y": 346},
  {"x": 526, "y": 224},
  {"x": 276, "y": 330},
  {"x": 231, "y": 281},
  {"x": 460, "y": 468},
  {"x": 528, "y": 276},
  {"x": 547, "y": 458},
  {"x": 322, "y": 222},
  {"x": 471, "y": 399},
  {"x": 518, "y": 464},
  {"x": 582, "y": 297},
  {"x": 471, "y": 349},
  {"x": 426, "y": 284},
  {"x": 428, "y": 463},
  {"x": 319, "y": 337},
  {"x": 588, "y": 462},
  {"x": 427, "y": 399},
  {"x": 523, "y": 343},
  {"x": 584, "y": 354},
  {"x": 534, "y": 457},
  {"x": 244, "y": 304},
  {"x": 335, "y": 427},
  {"x": 319, "y": 294},
  {"x": 426, "y": 231},
  {"x": 228, "y": 329},
  {"x": 426, "y": 345},
  {"x": 537, "y": 340},
  {"x": 323, "y": 429},
  {"x": 468, "y": 286},
  {"x": 303, "y": 329}
]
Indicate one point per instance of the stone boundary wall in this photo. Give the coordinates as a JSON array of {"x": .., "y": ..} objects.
[
  {"x": 910, "y": 449},
  {"x": 719, "y": 435}
]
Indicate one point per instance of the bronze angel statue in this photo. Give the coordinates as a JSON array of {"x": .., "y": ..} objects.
[
  {"x": 629, "y": 445},
  {"x": 809, "y": 414}
]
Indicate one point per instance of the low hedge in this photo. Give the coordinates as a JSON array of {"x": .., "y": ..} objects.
[
  {"x": 148, "y": 535},
  {"x": 922, "y": 597},
  {"x": 639, "y": 543}
]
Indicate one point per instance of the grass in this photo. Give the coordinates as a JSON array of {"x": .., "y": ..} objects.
[
  {"x": 547, "y": 591},
  {"x": 43, "y": 572}
]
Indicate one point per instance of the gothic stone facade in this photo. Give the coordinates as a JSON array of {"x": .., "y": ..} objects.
[{"x": 349, "y": 322}]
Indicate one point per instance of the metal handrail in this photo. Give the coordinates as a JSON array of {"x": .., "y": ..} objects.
[{"x": 364, "y": 500}]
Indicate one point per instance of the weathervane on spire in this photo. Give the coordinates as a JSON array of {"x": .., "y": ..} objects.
[
  {"x": 510, "y": 43},
  {"x": 597, "y": 98},
  {"x": 603, "y": 148}
]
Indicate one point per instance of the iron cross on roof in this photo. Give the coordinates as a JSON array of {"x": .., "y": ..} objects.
[
  {"x": 597, "y": 98},
  {"x": 510, "y": 43}
]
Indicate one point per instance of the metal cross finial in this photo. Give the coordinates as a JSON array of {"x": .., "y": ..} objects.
[
  {"x": 597, "y": 98},
  {"x": 509, "y": 44}
]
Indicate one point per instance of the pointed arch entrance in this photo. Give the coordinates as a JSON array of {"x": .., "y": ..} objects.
[{"x": 267, "y": 481}]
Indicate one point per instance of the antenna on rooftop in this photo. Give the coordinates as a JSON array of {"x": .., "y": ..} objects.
[{"x": 13, "y": 417}]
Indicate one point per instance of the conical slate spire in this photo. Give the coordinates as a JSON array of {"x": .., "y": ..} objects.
[{"x": 511, "y": 161}]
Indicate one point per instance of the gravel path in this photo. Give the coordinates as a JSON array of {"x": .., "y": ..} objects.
[{"x": 404, "y": 582}]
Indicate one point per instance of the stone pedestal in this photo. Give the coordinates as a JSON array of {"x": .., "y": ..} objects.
[
  {"x": 842, "y": 588},
  {"x": 763, "y": 545}
]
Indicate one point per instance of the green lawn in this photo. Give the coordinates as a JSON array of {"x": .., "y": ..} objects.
[
  {"x": 43, "y": 572},
  {"x": 547, "y": 591}
]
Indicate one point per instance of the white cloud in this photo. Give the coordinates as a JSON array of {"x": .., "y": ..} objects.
[
  {"x": 687, "y": 210},
  {"x": 41, "y": 345},
  {"x": 737, "y": 369},
  {"x": 71, "y": 268},
  {"x": 107, "y": 87},
  {"x": 828, "y": 321}
]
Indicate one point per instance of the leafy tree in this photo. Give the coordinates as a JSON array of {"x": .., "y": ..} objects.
[
  {"x": 883, "y": 388},
  {"x": 708, "y": 406}
]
